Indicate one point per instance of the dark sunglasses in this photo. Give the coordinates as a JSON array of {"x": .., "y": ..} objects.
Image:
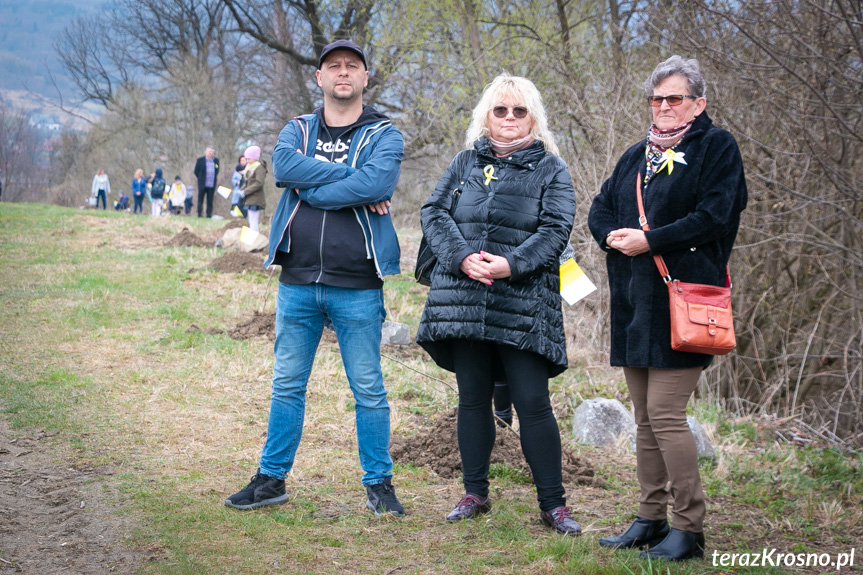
[
  {"x": 518, "y": 111},
  {"x": 674, "y": 100}
]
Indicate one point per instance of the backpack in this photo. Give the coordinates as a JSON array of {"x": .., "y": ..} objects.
[{"x": 158, "y": 188}]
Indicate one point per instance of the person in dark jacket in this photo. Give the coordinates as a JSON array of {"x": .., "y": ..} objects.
[
  {"x": 207, "y": 173},
  {"x": 694, "y": 191},
  {"x": 237, "y": 182},
  {"x": 334, "y": 238},
  {"x": 494, "y": 297},
  {"x": 158, "y": 187},
  {"x": 254, "y": 199}
]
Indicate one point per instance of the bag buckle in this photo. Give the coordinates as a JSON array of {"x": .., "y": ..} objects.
[{"x": 642, "y": 220}]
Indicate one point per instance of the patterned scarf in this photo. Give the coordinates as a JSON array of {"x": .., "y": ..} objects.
[{"x": 658, "y": 141}]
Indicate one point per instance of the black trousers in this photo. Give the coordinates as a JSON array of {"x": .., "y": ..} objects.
[
  {"x": 527, "y": 374},
  {"x": 208, "y": 194}
]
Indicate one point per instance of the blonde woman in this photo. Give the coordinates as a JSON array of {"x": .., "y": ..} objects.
[
  {"x": 139, "y": 190},
  {"x": 494, "y": 307}
]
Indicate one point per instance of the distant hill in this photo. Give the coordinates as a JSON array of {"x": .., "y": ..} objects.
[
  {"x": 28, "y": 31},
  {"x": 27, "y": 35}
]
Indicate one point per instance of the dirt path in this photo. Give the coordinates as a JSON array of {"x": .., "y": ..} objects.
[{"x": 55, "y": 518}]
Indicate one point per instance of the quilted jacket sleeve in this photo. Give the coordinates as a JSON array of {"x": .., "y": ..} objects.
[{"x": 557, "y": 211}]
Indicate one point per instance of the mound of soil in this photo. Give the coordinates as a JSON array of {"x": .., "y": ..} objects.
[
  {"x": 238, "y": 262},
  {"x": 235, "y": 223},
  {"x": 186, "y": 239},
  {"x": 438, "y": 449},
  {"x": 259, "y": 324}
]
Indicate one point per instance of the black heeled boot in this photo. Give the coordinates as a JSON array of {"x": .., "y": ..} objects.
[
  {"x": 679, "y": 545},
  {"x": 642, "y": 532}
]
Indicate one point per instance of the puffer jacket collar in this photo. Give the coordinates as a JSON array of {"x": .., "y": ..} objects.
[{"x": 527, "y": 158}]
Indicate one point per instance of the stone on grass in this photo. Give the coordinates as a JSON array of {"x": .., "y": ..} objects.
[
  {"x": 602, "y": 421},
  {"x": 702, "y": 443},
  {"x": 394, "y": 333}
]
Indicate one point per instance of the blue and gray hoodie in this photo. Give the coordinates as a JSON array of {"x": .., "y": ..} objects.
[{"x": 331, "y": 198}]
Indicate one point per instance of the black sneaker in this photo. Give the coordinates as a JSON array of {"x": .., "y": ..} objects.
[
  {"x": 263, "y": 490},
  {"x": 383, "y": 500}
]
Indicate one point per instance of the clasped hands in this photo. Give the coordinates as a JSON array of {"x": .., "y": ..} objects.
[
  {"x": 485, "y": 267},
  {"x": 629, "y": 241}
]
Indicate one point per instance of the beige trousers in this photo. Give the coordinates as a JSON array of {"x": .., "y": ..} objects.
[{"x": 665, "y": 445}]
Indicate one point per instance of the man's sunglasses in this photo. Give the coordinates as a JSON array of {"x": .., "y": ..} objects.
[
  {"x": 674, "y": 100},
  {"x": 518, "y": 111}
]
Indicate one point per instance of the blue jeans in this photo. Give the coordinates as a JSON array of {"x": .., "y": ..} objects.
[
  {"x": 100, "y": 195},
  {"x": 357, "y": 317}
]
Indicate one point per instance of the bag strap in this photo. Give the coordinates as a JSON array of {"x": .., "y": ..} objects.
[
  {"x": 660, "y": 263},
  {"x": 642, "y": 221},
  {"x": 456, "y": 192},
  {"x": 469, "y": 167}
]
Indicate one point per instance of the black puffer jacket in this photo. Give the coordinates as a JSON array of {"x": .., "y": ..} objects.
[{"x": 525, "y": 215}]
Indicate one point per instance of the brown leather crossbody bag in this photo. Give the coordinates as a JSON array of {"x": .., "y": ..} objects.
[{"x": 701, "y": 319}]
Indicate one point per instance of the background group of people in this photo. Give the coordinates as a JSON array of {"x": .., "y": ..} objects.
[
  {"x": 498, "y": 221},
  {"x": 247, "y": 181},
  {"x": 175, "y": 197}
]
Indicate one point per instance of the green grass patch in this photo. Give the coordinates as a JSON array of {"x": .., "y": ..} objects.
[{"x": 45, "y": 402}]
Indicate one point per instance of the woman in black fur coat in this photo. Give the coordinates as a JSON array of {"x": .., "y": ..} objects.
[{"x": 694, "y": 190}]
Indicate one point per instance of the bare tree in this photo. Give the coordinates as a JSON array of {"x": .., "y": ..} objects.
[{"x": 21, "y": 169}]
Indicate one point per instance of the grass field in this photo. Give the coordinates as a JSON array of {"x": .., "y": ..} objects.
[{"x": 117, "y": 345}]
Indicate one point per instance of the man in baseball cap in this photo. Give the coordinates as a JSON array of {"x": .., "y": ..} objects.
[
  {"x": 342, "y": 45},
  {"x": 334, "y": 239}
]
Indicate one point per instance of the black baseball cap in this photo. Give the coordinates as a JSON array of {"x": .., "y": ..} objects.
[{"x": 342, "y": 45}]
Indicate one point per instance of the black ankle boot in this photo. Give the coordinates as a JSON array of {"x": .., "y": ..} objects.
[
  {"x": 679, "y": 545},
  {"x": 642, "y": 532}
]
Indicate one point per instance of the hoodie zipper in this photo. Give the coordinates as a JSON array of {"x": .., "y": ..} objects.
[
  {"x": 321, "y": 247},
  {"x": 324, "y": 218},
  {"x": 304, "y": 139},
  {"x": 364, "y": 140}
]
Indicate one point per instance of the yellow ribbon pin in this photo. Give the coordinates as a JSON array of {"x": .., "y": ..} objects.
[
  {"x": 488, "y": 172},
  {"x": 669, "y": 157}
]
